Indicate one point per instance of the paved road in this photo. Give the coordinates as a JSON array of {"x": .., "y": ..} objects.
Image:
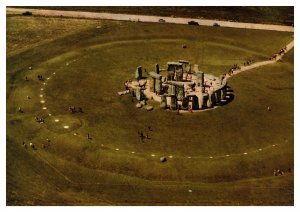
[{"x": 146, "y": 18}]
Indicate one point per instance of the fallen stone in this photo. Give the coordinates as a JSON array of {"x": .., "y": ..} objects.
[
  {"x": 138, "y": 105},
  {"x": 149, "y": 108},
  {"x": 143, "y": 102},
  {"x": 163, "y": 159}
]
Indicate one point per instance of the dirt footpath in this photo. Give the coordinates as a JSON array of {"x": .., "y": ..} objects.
[{"x": 146, "y": 18}]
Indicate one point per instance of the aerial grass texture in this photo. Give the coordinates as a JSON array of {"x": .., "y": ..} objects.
[{"x": 91, "y": 60}]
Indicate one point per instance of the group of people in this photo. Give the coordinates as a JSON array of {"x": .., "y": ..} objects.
[
  {"x": 281, "y": 52},
  {"x": 30, "y": 144},
  {"x": 20, "y": 110},
  {"x": 33, "y": 146},
  {"x": 40, "y": 77},
  {"x": 73, "y": 109},
  {"x": 143, "y": 136},
  {"x": 39, "y": 120},
  {"x": 88, "y": 137},
  {"x": 248, "y": 62},
  {"x": 234, "y": 68},
  {"x": 278, "y": 172}
]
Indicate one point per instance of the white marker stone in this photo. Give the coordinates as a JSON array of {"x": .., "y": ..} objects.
[
  {"x": 50, "y": 114},
  {"x": 66, "y": 126},
  {"x": 227, "y": 155},
  {"x": 42, "y": 89},
  {"x": 190, "y": 191},
  {"x": 211, "y": 157},
  {"x": 170, "y": 156},
  {"x": 41, "y": 95},
  {"x": 245, "y": 153},
  {"x": 117, "y": 149},
  {"x": 259, "y": 149},
  {"x": 43, "y": 101},
  {"x": 44, "y": 108},
  {"x": 54, "y": 73},
  {"x": 132, "y": 152},
  {"x": 153, "y": 155},
  {"x": 56, "y": 120}
]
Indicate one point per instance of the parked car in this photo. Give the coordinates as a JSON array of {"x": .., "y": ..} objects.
[
  {"x": 193, "y": 23},
  {"x": 216, "y": 24},
  {"x": 162, "y": 20},
  {"x": 27, "y": 13}
]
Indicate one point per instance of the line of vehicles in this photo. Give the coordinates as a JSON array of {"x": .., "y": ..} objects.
[{"x": 195, "y": 23}]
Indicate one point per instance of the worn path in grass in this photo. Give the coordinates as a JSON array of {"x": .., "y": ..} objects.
[
  {"x": 147, "y": 18},
  {"x": 263, "y": 63}
]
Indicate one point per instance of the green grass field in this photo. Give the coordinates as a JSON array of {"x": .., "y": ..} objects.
[{"x": 91, "y": 64}]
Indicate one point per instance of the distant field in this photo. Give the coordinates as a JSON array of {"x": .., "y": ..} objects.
[
  {"x": 270, "y": 15},
  {"x": 90, "y": 64}
]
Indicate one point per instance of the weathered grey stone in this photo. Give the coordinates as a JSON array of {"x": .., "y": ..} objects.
[
  {"x": 158, "y": 85},
  {"x": 163, "y": 159},
  {"x": 173, "y": 104},
  {"x": 138, "y": 105},
  {"x": 200, "y": 100},
  {"x": 218, "y": 95},
  {"x": 149, "y": 107},
  {"x": 157, "y": 68},
  {"x": 179, "y": 92},
  {"x": 200, "y": 78},
  {"x": 179, "y": 74},
  {"x": 185, "y": 103},
  {"x": 172, "y": 90},
  {"x": 195, "y": 103},
  {"x": 138, "y": 73},
  {"x": 175, "y": 67},
  {"x": 163, "y": 102},
  {"x": 143, "y": 102},
  {"x": 138, "y": 93},
  {"x": 196, "y": 68},
  {"x": 223, "y": 93},
  {"x": 209, "y": 103}
]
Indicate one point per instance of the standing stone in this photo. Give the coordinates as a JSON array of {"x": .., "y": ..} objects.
[
  {"x": 200, "y": 100},
  {"x": 138, "y": 93},
  {"x": 179, "y": 74},
  {"x": 190, "y": 69},
  {"x": 157, "y": 68},
  {"x": 185, "y": 103},
  {"x": 173, "y": 104},
  {"x": 163, "y": 102},
  {"x": 214, "y": 97},
  {"x": 179, "y": 92},
  {"x": 172, "y": 90},
  {"x": 205, "y": 100},
  {"x": 138, "y": 73},
  {"x": 210, "y": 99},
  {"x": 196, "y": 68},
  {"x": 223, "y": 93},
  {"x": 200, "y": 78},
  {"x": 218, "y": 95},
  {"x": 158, "y": 85},
  {"x": 195, "y": 103},
  {"x": 221, "y": 78},
  {"x": 209, "y": 104}
]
